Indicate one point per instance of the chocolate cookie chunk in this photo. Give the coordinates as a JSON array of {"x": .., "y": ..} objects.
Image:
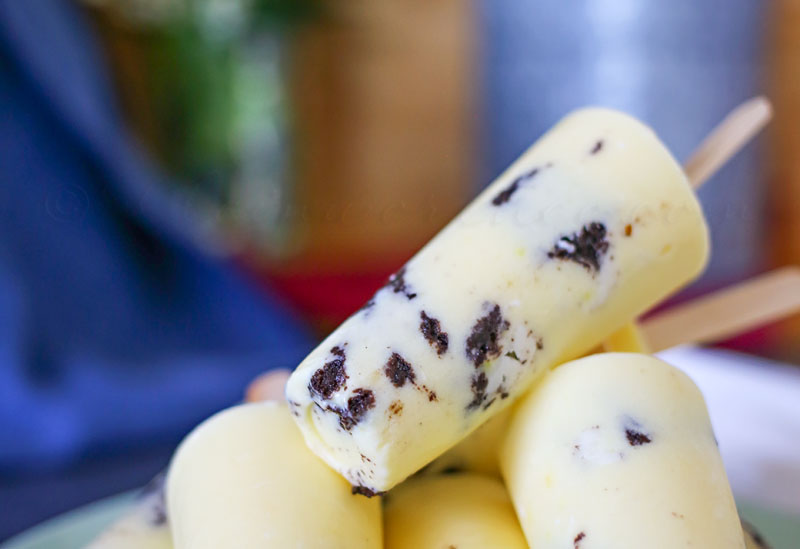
[
  {"x": 484, "y": 340},
  {"x": 585, "y": 247}
]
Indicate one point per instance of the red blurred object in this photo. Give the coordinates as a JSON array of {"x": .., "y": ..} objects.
[{"x": 324, "y": 298}]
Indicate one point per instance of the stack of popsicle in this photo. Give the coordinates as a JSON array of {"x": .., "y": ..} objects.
[{"x": 591, "y": 227}]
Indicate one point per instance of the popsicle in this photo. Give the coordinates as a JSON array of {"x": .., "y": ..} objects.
[
  {"x": 466, "y": 511},
  {"x": 590, "y": 227},
  {"x": 144, "y": 526},
  {"x": 617, "y": 450},
  {"x": 244, "y": 478}
]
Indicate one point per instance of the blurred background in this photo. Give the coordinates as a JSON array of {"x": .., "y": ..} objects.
[{"x": 195, "y": 191}]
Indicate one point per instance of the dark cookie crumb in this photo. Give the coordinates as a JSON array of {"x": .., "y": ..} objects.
[
  {"x": 331, "y": 377},
  {"x": 635, "y": 435},
  {"x": 357, "y": 406},
  {"x": 396, "y": 408},
  {"x": 398, "y": 370},
  {"x": 364, "y": 491},
  {"x": 397, "y": 282},
  {"x": 431, "y": 329},
  {"x": 513, "y": 354},
  {"x": 432, "y": 396},
  {"x": 479, "y": 383},
  {"x": 577, "y": 541},
  {"x": 505, "y": 195},
  {"x": 586, "y": 248},
  {"x": 488, "y": 404},
  {"x": 598, "y": 146},
  {"x": 483, "y": 342}
]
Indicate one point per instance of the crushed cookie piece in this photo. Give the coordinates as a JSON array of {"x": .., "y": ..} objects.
[
  {"x": 431, "y": 329},
  {"x": 505, "y": 195},
  {"x": 586, "y": 247},
  {"x": 635, "y": 434},
  {"x": 483, "y": 341},
  {"x": 598, "y": 146},
  {"x": 577, "y": 541},
  {"x": 397, "y": 282},
  {"x": 432, "y": 396},
  {"x": 398, "y": 370},
  {"x": 513, "y": 354},
  {"x": 331, "y": 377},
  {"x": 479, "y": 383},
  {"x": 396, "y": 408},
  {"x": 364, "y": 491},
  {"x": 357, "y": 406},
  {"x": 628, "y": 229}
]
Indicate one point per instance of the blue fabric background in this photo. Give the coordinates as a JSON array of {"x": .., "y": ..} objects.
[{"x": 116, "y": 325}]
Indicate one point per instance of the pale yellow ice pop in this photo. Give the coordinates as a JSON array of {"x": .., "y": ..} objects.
[
  {"x": 466, "y": 511},
  {"x": 616, "y": 450},
  {"x": 589, "y": 228},
  {"x": 244, "y": 478}
]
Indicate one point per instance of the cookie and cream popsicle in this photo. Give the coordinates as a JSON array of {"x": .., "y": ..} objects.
[
  {"x": 590, "y": 227},
  {"x": 244, "y": 478},
  {"x": 617, "y": 450}
]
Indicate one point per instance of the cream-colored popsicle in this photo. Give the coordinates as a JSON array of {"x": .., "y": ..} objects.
[
  {"x": 144, "y": 526},
  {"x": 590, "y": 227},
  {"x": 616, "y": 450},
  {"x": 466, "y": 511},
  {"x": 244, "y": 478}
]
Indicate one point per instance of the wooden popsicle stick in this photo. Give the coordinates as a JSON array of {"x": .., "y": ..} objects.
[
  {"x": 727, "y": 312},
  {"x": 724, "y": 141}
]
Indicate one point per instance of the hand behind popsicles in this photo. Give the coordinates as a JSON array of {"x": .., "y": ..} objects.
[{"x": 268, "y": 386}]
